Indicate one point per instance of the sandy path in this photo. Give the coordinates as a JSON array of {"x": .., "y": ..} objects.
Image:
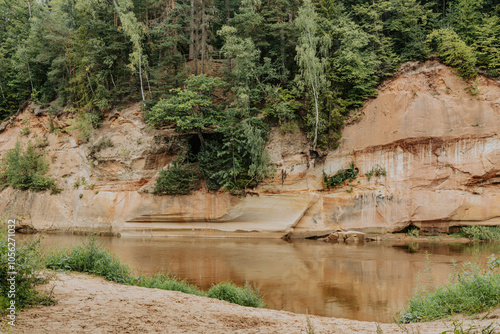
[{"x": 93, "y": 305}]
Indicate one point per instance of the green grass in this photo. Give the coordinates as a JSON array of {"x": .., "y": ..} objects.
[
  {"x": 228, "y": 291},
  {"x": 470, "y": 290},
  {"x": 91, "y": 257},
  {"x": 29, "y": 267},
  {"x": 481, "y": 233},
  {"x": 168, "y": 282}
]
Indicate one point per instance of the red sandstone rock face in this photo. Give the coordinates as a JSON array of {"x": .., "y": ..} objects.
[{"x": 438, "y": 144}]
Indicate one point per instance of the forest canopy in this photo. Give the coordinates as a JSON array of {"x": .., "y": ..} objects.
[{"x": 226, "y": 70}]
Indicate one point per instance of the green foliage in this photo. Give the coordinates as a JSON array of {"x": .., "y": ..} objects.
[
  {"x": 85, "y": 123},
  {"x": 25, "y": 131},
  {"x": 460, "y": 328},
  {"x": 90, "y": 257},
  {"x": 178, "y": 179},
  {"x": 472, "y": 290},
  {"x": 311, "y": 59},
  {"x": 232, "y": 293},
  {"x": 342, "y": 175},
  {"x": 103, "y": 143},
  {"x": 487, "y": 45},
  {"x": 454, "y": 52},
  {"x": 414, "y": 232},
  {"x": 237, "y": 160},
  {"x": 283, "y": 105},
  {"x": 29, "y": 272},
  {"x": 234, "y": 159},
  {"x": 377, "y": 171},
  {"x": 481, "y": 233},
  {"x": 168, "y": 282},
  {"x": 25, "y": 169},
  {"x": 466, "y": 16},
  {"x": 191, "y": 108}
]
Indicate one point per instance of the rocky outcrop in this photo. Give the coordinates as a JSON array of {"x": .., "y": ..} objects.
[
  {"x": 104, "y": 181},
  {"x": 440, "y": 150},
  {"x": 437, "y": 144}
]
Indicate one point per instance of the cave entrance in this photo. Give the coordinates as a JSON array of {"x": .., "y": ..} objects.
[{"x": 195, "y": 143}]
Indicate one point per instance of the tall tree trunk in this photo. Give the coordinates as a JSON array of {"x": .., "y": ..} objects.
[
  {"x": 191, "y": 33},
  {"x": 149, "y": 86},
  {"x": 196, "y": 50},
  {"x": 29, "y": 7},
  {"x": 227, "y": 23},
  {"x": 200, "y": 136},
  {"x": 203, "y": 34},
  {"x": 31, "y": 80},
  {"x": 282, "y": 45},
  {"x": 1, "y": 89},
  {"x": 140, "y": 77}
]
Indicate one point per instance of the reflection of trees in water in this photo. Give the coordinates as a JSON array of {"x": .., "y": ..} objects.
[{"x": 448, "y": 248}]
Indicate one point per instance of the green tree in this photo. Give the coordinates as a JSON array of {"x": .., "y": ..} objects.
[
  {"x": 466, "y": 16},
  {"x": 454, "y": 52},
  {"x": 192, "y": 108},
  {"x": 134, "y": 30},
  {"x": 25, "y": 169},
  {"x": 487, "y": 45},
  {"x": 311, "y": 58}
]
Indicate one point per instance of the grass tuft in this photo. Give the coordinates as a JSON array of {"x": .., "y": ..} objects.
[
  {"x": 228, "y": 291},
  {"x": 91, "y": 257},
  {"x": 470, "y": 291},
  {"x": 168, "y": 282}
]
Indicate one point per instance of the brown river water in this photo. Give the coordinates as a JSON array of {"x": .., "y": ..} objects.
[{"x": 363, "y": 282}]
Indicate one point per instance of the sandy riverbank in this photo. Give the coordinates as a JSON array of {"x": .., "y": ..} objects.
[{"x": 87, "y": 304}]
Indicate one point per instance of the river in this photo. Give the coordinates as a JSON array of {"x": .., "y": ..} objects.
[{"x": 361, "y": 281}]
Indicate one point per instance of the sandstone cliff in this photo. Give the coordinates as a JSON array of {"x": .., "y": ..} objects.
[{"x": 437, "y": 142}]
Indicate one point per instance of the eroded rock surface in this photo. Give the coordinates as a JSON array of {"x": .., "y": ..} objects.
[
  {"x": 440, "y": 149},
  {"x": 438, "y": 145}
]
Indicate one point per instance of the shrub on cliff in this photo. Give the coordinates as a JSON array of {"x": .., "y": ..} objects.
[
  {"x": 453, "y": 52},
  {"x": 177, "y": 180},
  {"x": 25, "y": 169},
  {"x": 343, "y": 174}
]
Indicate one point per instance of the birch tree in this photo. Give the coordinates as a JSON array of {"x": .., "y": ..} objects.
[
  {"x": 311, "y": 58},
  {"x": 134, "y": 30}
]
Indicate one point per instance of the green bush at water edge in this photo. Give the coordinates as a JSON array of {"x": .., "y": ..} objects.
[
  {"x": 481, "y": 233},
  {"x": 92, "y": 258},
  {"x": 245, "y": 296},
  {"x": 470, "y": 290},
  {"x": 29, "y": 266}
]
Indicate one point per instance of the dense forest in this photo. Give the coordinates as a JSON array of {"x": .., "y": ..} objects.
[{"x": 224, "y": 71}]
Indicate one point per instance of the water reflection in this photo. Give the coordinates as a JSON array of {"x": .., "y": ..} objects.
[{"x": 364, "y": 282}]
